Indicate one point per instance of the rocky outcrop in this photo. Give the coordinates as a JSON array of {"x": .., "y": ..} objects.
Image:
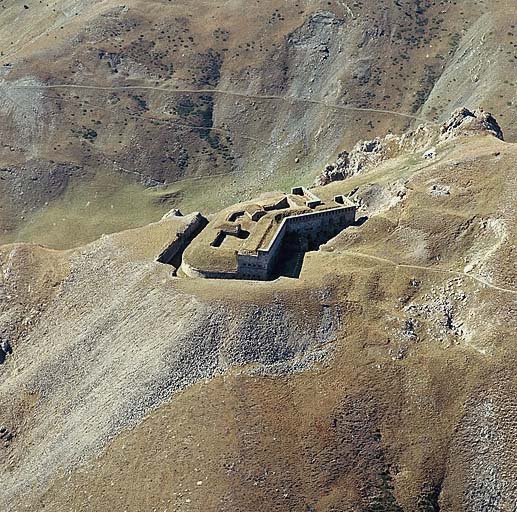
[
  {"x": 465, "y": 122},
  {"x": 334, "y": 172},
  {"x": 317, "y": 36},
  {"x": 364, "y": 155},
  {"x": 369, "y": 153},
  {"x": 373, "y": 199}
]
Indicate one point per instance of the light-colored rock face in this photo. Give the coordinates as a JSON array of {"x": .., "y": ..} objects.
[
  {"x": 23, "y": 106},
  {"x": 465, "y": 122},
  {"x": 366, "y": 155}
]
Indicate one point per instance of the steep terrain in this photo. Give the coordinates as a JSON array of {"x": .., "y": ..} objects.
[
  {"x": 382, "y": 379},
  {"x": 197, "y": 104}
]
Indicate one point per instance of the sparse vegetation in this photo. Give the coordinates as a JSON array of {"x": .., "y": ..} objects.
[{"x": 130, "y": 389}]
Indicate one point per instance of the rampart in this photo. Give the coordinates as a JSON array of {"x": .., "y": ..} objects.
[
  {"x": 258, "y": 238},
  {"x": 317, "y": 227},
  {"x": 183, "y": 239}
]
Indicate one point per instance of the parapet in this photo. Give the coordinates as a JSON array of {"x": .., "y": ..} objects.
[{"x": 311, "y": 199}]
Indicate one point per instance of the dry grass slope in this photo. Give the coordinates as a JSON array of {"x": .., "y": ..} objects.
[
  {"x": 218, "y": 101},
  {"x": 382, "y": 379}
]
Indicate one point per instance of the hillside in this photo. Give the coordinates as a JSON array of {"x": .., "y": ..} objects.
[
  {"x": 382, "y": 379},
  {"x": 196, "y": 104}
]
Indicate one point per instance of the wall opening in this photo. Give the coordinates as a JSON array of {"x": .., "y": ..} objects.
[
  {"x": 225, "y": 237},
  {"x": 283, "y": 204},
  {"x": 235, "y": 216}
]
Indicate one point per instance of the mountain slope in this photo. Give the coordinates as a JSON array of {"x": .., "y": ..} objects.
[
  {"x": 100, "y": 100},
  {"x": 363, "y": 385}
]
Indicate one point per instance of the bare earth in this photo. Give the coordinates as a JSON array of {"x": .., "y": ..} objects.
[{"x": 382, "y": 380}]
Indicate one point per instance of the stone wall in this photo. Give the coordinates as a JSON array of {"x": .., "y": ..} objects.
[
  {"x": 191, "y": 271},
  {"x": 318, "y": 226},
  {"x": 183, "y": 239}
]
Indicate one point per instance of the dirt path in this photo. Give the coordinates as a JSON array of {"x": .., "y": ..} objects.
[
  {"x": 262, "y": 97},
  {"x": 432, "y": 269}
]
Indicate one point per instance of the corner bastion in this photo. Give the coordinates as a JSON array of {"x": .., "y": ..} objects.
[{"x": 248, "y": 240}]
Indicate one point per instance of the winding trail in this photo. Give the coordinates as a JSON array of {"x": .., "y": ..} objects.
[
  {"x": 262, "y": 97},
  {"x": 431, "y": 269}
]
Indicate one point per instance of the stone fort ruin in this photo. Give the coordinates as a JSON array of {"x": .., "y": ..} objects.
[{"x": 267, "y": 237}]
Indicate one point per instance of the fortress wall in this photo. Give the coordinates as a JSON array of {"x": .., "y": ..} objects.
[
  {"x": 254, "y": 266},
  {"x": 274, "y": 247},
  {"x": 320, "y": 224},
  {"x": 323, "y": 224},
  {"x": 190, "y": 271},
  {"x": 183, "y": 239},
  {"x": 259, "y": 266},
  {"x": 338, "y": 217}
]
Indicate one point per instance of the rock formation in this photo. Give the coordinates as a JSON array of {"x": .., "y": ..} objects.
[
  {"x": 369, "y": 153},
  {"x": 364, "y": 155},
  {"x": 465, "y": 122}
]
